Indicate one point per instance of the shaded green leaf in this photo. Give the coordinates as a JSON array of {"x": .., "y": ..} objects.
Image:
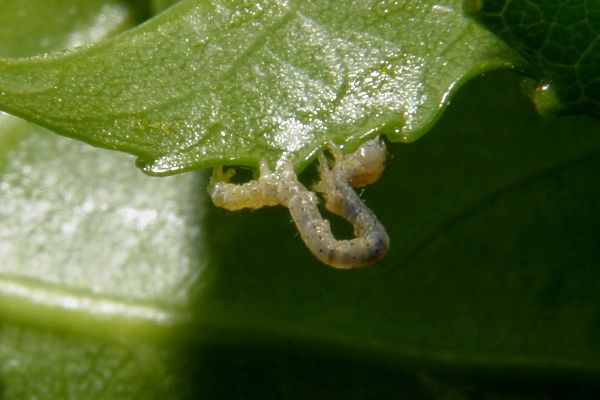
[
  {"x": 561, "y": 40},
  {"x": 491, "y": 280},
  {"x": 235, "y": 82},
  {"x": 46, "y": 364}
]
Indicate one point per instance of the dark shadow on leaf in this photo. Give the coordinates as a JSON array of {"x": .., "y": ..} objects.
[{"x": 490, "y": 289}]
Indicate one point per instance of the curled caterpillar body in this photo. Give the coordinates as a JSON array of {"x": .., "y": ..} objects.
[
  {"x": 283, "y": 187},
  {"x": 372, "y": 241}
]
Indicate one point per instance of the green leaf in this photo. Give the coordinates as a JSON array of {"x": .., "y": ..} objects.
[
  {"x": 207, "y": 83},
  {"x": 489, "y": 290},
  {"x": 75, "y": 242},
  {"x": 561, "y": 41},
  {"x": 98, "y": 266},
  {"x": 27, "y": 29},
  {"x": 47, "y": 364},
  {"x": 118, "y": 285}
]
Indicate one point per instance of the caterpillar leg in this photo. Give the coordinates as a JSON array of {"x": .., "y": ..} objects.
[{"x": 254, "y": 194}]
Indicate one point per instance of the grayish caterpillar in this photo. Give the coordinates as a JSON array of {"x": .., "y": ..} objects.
[{"x": 282, "y": 187}]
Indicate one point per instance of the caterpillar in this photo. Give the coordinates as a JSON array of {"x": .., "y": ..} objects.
[{"x": 282, "y": 187}]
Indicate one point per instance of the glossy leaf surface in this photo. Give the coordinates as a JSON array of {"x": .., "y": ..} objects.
[{"x": 208, "y": 83}]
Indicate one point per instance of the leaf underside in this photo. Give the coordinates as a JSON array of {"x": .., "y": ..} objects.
[{"x": 230, "y": 82}]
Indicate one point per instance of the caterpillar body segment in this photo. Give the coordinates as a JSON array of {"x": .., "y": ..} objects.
[{"x": 282, "y": 187}]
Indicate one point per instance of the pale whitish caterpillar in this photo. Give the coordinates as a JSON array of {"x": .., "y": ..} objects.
[{"x": 282, "y": 187}]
